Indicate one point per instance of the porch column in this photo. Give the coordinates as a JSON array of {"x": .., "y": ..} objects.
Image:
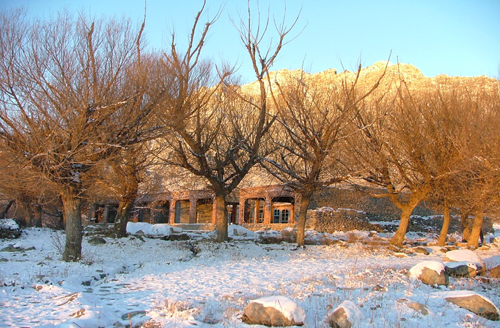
[
  {"x": 296, "y": 207},
  {"x": 268, "y": 210},
  {"x": 171, "y": 211},
  {"x": 241, "y": 211},
  {"x": 214, "y": 211},
  {"x": 192, "y": 209}
]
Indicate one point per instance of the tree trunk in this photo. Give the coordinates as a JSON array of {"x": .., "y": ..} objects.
[
  {"x": 6, "y": 210},
  {"x": 123, "y": 216},
  {"x": 466, "y": 226},
  {"x": 399, "y": 236},
  {"x": 37, "y": 216},
  {"x": 477, "y": 227},
  {"x": 221, "y": 214},
  {"x": 23, "y": 211},
  {"x": 72, "y": 214},
  {"x": 446, "y": 225},
  {"x": 305, "y": 199}
]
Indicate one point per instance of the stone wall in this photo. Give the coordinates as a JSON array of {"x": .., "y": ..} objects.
[
  {"x": 329, "y": 220},
  {"x": 272, "y": 226}
]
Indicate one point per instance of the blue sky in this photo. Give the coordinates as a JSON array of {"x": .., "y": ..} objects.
[{"x": 454, "y": 37}]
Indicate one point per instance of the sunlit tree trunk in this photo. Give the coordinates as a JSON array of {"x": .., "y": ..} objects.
[
  {"x": 126, "y": 204},
  {"x": 74, "y": 229},
  {"x": 466, "y": 226},
  {"x": 220, "y": 205},
  {"x": 37, "y": 216},
  {"x": 477, "y": 225},
  {"x": 7, "y": 208},
  {"x": 446, "y": 225},
  {"x": 399, "y": 236},
  {"x": 23, "y": 209},
  {"x": 301, "y": 227}
]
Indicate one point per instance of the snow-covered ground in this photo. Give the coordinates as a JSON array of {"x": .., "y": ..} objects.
[{"x": 162, "y": 283}]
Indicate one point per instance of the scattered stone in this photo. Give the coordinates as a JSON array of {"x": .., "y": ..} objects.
[
  {"x": 180, "y": 236},
  {"x": 415, "y": 306},
  {"x": 466, "y": 255},
  {"x": 9, "y": 229},
  {"x": 4, "y": 260},
  {"x": 289, "y": 234},
  {"x": 400, "y": 255},
  {"x": 11, "y": 248},
  {"x": 346, "y": 315},
  {"x": 132, "y": 314},
  {"x": 461, "y": 269},
  {"x": 495, "y": 240},
  {"x": 274, "y": 311},
  {"x": 484, "y": 280},
  {"x": 495, "y": 272},
  {"x": 419, "y": 307},
  {"x": 97, "y": 241},
  {"x": 430, "y": 273},
  {"x": 379, "y": 288},
  {"x": 421, "y": 250},
  {"x": 396, "y": 249},
  {"x": 475, "y": 303}
]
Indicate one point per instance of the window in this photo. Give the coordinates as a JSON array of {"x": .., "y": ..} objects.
[
  {"x": 276, "y": 216},
  {"x": 284, "y": 216}
]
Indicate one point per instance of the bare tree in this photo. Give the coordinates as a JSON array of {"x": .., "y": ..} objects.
[
  {"x": 314, "y": 120},
  {"x": 66, "y": 101},
  {"x": 217, "y": 131}
]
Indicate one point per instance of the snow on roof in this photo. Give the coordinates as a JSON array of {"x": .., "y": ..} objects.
[
  {"x": 290, "y": 309},
  {"x": 416, "y": 270}
]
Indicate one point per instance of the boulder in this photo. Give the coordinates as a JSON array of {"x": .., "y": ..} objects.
[
  {"x": 495, "y": 240},
  {"x": 430, "y": 273},
  {"x": 179, "y": 236},
  {"x": 97, "y": 241},
  {"x": 475, "y": 303},
  {"x": 461, "y": 269},
  {"x": 419, "y": 307},
  {"x": 274, "y": 311},
  {"x": 421, "y": 250},
  {"x": 465, "y": 255},
  {"x": 289, "y": 234},
  {"x": 495, "y": 272},
  {"x": 346, "y": 315}
]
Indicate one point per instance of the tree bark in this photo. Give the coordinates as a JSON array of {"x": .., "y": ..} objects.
[
  {"x": 398, "y": 238},
  {"x": 6, "y": 210},
  {"x": 221, "y": 214},
  {"x": 305, "y": 199},
  {"x": 37, "y": 216},
  {"x": 477, "y": 226},
  {"x": 466, "y": 227},
  {"x": 23, "y": 211},
  {"x": 446, "y": 225},
  {"x": 123, "y": 216},
  {"x": 72, "y": 213}
]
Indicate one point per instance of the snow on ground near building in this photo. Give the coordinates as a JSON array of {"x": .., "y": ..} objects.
[{"x": 205, "y": 284}]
